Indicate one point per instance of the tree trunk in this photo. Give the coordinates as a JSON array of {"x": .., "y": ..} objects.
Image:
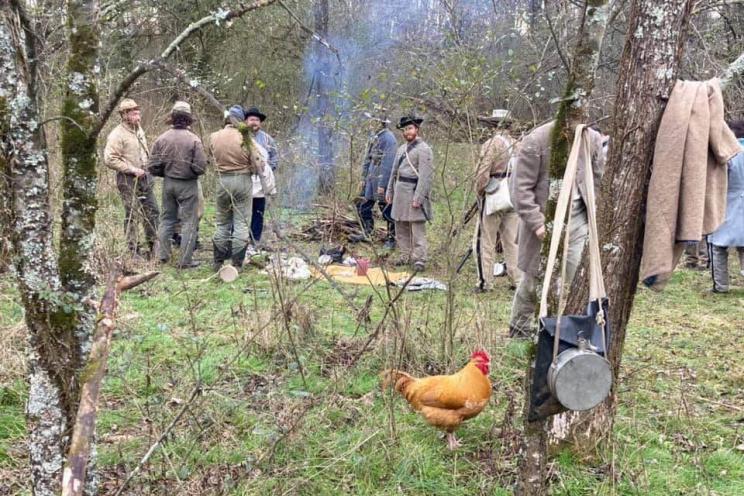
[
  {"x": 38, "y": 279},
  {"x": 57, "y": 292},
  {"x": 648, "y": 71},
  {"x": 572, "y": 111},
  {"x": 323, "y": 109}
]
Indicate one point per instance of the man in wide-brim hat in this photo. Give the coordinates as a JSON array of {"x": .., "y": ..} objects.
[
  {"x": 126, "y": 152},
  {"x": 491, "y": 170},
  {"x": 409, "y": 190},
  {"x": 254, "y": 119}
]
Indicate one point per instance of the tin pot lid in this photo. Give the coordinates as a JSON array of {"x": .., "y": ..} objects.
[{"x": 228, "y": 273}]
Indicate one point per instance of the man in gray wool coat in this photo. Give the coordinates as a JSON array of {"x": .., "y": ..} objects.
[{"x": 408, "y": 191}]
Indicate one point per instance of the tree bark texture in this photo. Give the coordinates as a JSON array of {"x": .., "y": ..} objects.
[
  {"x": 39, "y": 283},
  {"x": 532, "y": 478},
  {"x": 648, "y": 71}
]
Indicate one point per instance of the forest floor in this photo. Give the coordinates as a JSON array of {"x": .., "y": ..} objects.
[{"x": 289, "y": 400}]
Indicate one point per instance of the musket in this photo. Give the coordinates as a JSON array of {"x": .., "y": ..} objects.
[
  {"x": 464, "y": 259},
  {"x": 466, "y": 218}
]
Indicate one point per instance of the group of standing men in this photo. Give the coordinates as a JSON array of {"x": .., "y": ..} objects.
[
  {"x": 404, "y": 179},
  {"x": 399, "y": 183},
  {"x": 244, "y": 157}
]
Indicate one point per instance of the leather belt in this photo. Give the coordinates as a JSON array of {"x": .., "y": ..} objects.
[{"x": 412, "y": 180}]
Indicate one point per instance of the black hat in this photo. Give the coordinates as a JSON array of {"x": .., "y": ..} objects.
[
  {"x": 410, "y": 119},
  {"x": 255, "y": 112}
]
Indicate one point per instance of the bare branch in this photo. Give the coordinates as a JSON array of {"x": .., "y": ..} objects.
[
  {"x": 221, "y": 16},
  {"x": 554, "y": 36},
  {"x": 317, "y": 37}
]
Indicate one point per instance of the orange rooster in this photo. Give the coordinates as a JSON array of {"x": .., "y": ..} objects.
[{"x": 446, "y": 400}]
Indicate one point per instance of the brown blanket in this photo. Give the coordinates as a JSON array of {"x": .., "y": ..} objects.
[{"x": 687, "y": 192}]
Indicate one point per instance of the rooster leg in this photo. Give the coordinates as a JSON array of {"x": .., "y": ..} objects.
[{"x": 452, "y": 442}]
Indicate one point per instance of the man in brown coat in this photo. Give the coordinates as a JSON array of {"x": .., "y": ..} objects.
[
  {"x": 409, "y": 189},
  {"x": 126, "y": 153},
  {"x": 235, "y": 162},
  {"x": 178, "y": 157},
  {"x": 529, "y": 194},
  {"x": 493, "y": 167}
]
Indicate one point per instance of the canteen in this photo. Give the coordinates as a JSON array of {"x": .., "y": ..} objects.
[{"x": 580, "y": 378}]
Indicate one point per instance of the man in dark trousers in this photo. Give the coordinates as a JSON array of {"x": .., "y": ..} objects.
[
  {"x": 378, "y": 164},
  {"x": 126, "y": 153},
  {"x": 178, "y": 156},
  {"x": 254, "y": 119}
]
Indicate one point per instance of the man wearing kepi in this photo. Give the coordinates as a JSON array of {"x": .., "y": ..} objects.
[
  {"x": 378, "y": 164},
  {"x": 408, "y": 191},
  {"x": 236, "y": 160},
  {"x": 178, "y": 157},
  {"x": 492, "y": 170},
  {"x": 529, "y": 194},
  {"x": 126, "y": 153},
  {"x": 254, "y": 119}
]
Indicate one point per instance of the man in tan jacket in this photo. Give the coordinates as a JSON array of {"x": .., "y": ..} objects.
[
  {"x": 492, "y": 167},
  {"x": 409, "y": 189},
  {"x": 529, "y": 193},
  {"x": 235, "y": 162},
  {"x": 126, "y": 153}
]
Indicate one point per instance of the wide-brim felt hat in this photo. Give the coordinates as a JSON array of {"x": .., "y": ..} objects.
[
  {"x": 253, "y": 111},
  {"x": 498, "y": 116},
  {"x": 128, "y": 104},
  {"x": 409, "y": 119}
]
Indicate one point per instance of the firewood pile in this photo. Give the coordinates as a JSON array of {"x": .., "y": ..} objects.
[{"x": 332, "y": 223}]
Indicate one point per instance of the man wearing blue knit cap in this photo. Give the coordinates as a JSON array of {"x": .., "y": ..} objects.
[{"x": 235, "y": 163}]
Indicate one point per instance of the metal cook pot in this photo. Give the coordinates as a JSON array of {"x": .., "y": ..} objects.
[{"x": 580, "y": 378}]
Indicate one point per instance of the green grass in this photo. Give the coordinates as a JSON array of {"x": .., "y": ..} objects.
[{"x": 259, "y": 428}]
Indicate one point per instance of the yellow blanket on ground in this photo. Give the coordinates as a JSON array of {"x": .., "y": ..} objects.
[{"x": 374, "y": 277}]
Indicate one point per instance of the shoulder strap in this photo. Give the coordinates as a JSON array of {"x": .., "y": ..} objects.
[{"x": 596, "y": 289}]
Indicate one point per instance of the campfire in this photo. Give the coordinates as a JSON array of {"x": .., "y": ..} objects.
[{"x": 333, "y": 223}]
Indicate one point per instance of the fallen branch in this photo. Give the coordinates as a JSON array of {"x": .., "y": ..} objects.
[{"x": 73, "y": 478}]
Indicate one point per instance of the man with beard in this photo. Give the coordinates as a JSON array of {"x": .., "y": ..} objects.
[
  {"x": 408, "y": 191},
  {"x": 254, "y": 119},
  {"x": 126, "y": 153}
]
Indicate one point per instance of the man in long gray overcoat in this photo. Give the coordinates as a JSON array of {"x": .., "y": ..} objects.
[
  {"x": 529, "y": 192},
  {"x": 409, "y": 191}
]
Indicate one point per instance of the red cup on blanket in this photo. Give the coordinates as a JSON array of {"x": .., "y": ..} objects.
[{"x": 362, "y": 264}]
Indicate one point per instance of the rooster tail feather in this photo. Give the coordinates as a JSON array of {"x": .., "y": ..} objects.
[{"x": 398, "y": 378}]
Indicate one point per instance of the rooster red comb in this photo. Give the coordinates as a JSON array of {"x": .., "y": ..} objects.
[{"x": 482, "y": 354}]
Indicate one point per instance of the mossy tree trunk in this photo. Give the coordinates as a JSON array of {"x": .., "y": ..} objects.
[
  {"x": 532, "y": 479},
  {"x": 39, "y": 283},
  {"x": 57, "y": 291},
  {"x": 648, "y": 70}
]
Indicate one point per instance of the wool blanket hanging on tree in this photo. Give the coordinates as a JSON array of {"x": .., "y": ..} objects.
[{"x": 687, "y": 192}]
